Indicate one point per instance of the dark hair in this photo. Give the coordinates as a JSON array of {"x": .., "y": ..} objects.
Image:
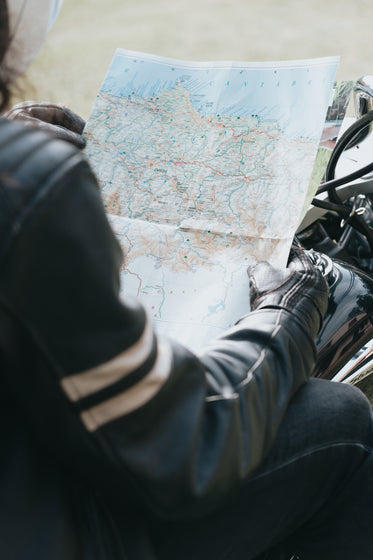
[{"x": 4, "y": 42}]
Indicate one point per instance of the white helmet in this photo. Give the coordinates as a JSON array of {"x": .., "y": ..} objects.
[{"x": 29, "y": 22}]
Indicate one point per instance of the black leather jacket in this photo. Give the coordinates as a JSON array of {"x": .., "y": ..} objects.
[{"x": 100, "y": 419}]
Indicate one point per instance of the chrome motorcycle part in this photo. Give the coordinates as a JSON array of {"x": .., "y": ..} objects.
[
  {"x": 363, "y": 95},
  {"x": 345, "y": 143},
  {"x": 348, "y": 325},
  {"x": 340, "y": 221},
  {"x": 359, "y": 370},
  {"x": 323, "y": 263}
]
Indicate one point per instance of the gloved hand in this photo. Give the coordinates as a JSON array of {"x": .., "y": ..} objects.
[
  {"x": 300, "y": 288},
  {"x": 59, "y": 121}
]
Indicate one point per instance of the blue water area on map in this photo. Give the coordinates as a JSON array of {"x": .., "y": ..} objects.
[{"x": 295, "y": 97}]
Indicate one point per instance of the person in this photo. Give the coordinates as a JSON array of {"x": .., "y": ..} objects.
[{"x": 117, "y": 444}]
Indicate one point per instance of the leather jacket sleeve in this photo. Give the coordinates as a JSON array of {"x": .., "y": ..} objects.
[{"x": 140, "y": 418}]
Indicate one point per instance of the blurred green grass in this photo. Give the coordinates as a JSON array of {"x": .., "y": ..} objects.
[{"x": 79, "y": 48}]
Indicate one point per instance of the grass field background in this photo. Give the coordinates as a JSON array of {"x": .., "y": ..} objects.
[{"x": 79, "y": 48}]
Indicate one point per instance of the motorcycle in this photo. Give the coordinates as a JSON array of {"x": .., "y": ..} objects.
[{"x": 337, "y": 231}]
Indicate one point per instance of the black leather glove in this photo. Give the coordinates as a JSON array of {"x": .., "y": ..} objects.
[
  {"x": 300, "y": 288},
  {"x": 59, "y": 121}
]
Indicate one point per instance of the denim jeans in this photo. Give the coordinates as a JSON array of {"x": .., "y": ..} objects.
[{"x": 312, "y": 497}]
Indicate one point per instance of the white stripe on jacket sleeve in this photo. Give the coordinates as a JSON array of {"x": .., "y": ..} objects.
[
  {"x": 88, "y": 382},
  {"x": 134, "y": 397}
]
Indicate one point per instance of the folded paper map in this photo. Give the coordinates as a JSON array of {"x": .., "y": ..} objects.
[{"x": 204, "y": 168}]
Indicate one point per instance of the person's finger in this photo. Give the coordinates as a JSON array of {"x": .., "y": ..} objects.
[
  {"x": 61, "y": 116},
  {"x": 299, "y": 260},
  {"x": 55, "y": 130},
  {"x": 49, "y": 113}
]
